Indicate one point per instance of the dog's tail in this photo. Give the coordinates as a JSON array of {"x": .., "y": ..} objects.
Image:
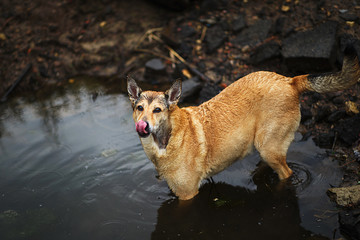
[{"x": 330, "y": 82}]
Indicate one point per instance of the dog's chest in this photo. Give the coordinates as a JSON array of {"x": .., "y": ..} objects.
[{"x": 152, "y": 149}]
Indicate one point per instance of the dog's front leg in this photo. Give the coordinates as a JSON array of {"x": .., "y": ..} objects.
[{"x": 184, "y": 190}]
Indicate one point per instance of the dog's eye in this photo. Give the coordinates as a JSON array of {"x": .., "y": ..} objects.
[
  {"x": 140, "y": 108},
  {"x": 157, "y": 110}
]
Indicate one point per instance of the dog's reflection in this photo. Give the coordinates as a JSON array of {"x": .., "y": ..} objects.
[{"x": 222, "y": 211}]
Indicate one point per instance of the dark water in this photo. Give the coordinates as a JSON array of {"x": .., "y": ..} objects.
[{"x": 72, "y": 167}]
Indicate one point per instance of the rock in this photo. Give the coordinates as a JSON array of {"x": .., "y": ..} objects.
[
  {"x": 325, "y": 140},
  {"x": 345, "y": 196},
  {"x": 305, "y": 114},
  {"x": 322, "y": 113},
  {"x": 346, "y": 39},
  {"x": 215, "y": 37},
  {"x": 239, "y": 23},
  {"x": 176, "y": 5},
  {"x": 349, "y": 130},
  {"x": 312, "y": 50},
  {"x": 349, "y": 16},
  {"x": 254, "y": 34},
  {"x": 209, "y": 91},
  {"x": 350, "y": 223},
  {"x": 189, "y": 88},
  {"x": 265, "y": 52},
  {"x": 155, "y": 70},
  {"x": 187, "y": 31},
  {"x": 336, "y": 116}
]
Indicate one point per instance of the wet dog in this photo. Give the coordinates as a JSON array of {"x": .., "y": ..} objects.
[{"x": 260, "y": 110}]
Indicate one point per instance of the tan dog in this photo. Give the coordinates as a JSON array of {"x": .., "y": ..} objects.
[{"x": 261, "y": 109}]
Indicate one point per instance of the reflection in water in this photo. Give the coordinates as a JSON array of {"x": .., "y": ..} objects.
[
  {"x": 72, "y": 167},
  {"x": 232, "y": 213}
]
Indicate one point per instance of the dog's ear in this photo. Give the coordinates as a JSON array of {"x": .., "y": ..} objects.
[
  {"x": 174, "y": 93},
  {"x": 133, "y": 90}
]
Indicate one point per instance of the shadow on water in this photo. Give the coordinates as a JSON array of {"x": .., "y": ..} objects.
[{"x": 72, "y": 167}]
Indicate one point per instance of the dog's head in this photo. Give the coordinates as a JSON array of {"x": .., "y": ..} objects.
[{"x": 152, "y": 109}]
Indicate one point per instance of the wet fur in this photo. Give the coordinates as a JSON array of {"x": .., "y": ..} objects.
[{"x": 260, "y": 110}]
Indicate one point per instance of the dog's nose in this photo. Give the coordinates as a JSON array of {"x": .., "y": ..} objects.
[{"x": 142, "y": 128}]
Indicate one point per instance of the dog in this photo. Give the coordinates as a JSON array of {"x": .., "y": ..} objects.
[{"x": 260, "y": 110}]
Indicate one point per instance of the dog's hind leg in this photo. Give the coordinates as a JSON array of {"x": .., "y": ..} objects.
[{"x": 273, "y": 146}]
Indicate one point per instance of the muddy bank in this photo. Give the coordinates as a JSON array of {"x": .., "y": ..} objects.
[{"x": 209, "y": 44}]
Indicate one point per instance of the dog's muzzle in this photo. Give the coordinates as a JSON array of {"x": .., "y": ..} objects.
[{"x": 142, "y": 128}]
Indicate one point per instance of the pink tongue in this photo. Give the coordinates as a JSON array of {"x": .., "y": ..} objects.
[{"x": 140, "y": 127}]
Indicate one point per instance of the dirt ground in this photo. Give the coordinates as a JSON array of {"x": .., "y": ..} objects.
[{"x": 62, "y": 39}]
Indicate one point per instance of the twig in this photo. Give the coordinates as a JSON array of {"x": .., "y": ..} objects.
[
  {"x": 18, "y": 80},
  {"x": 146, "y": 34},
  {"x": 334, "y": 142},
  {"x": 203, "y": 33},
  {"x": 190, "y": 66}
]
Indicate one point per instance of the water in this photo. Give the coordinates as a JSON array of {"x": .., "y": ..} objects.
[{"x": 72, "y": 167}]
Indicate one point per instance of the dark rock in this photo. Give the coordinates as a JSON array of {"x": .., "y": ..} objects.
[
  {"x": 338, "y": 100},
  {"x": 208, "y": 5},
  {"x": 254, "y": 34},
  {"x": 322, "y": 113},
  {"x": 306, "y": 136},
  {"x": 239, "y": 23},
  {"x": 176, "y": 5},
  {"x": 265, "y": 52},
  {"x": 325, "y": 140},
  {"x": 282, "y": 27},
  {"x": 43, "y": 71},
  {"x": 349, "y": 16},
  {"x": 305, "y": 114},
  {"x": 312, "y": 50},
  {"x": 349, "y": 130},
  {"x": 185, "y": 49},
  {"x": 336, "y": 116},
  {"x": 350, "y": 223},
  {"x": 209, "y": 91},
  {"x": 169, "y": 36},
  {"x": 187, "y": 31},
  {"x": 215, "y": 37},
  {"x": 189, "y": 88},
  {"x": 155, "y": 70},
  {"x": 345, "y": 40}
]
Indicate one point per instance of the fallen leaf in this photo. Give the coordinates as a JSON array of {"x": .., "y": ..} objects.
[{"x": 351, "y": 107}]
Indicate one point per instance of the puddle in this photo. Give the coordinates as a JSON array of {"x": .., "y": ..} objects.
[{"x": 72, "y": 167}]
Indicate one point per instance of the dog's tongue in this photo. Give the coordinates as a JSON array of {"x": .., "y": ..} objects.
[{"x": 140, "y": 127}]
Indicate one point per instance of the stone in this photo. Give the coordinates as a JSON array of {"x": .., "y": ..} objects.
[
  {"x": 350, "y": 223},
  {"x": 349, "y": 16},
  {"x": 345, "y": 196},
  {"x": 312, "y": 50},
  {"x": 265, "y": 52},
  {"x": 155, "y": 70},
  {"x": 239, "y": 23},
  {"x": 254, "y": 34},
  {"x": 209, "y": 91},
  {"x": 189, "y": 88},
  {"x": 215, "y": 37},
  {"x": 187, "y": 31},
  {"x": 349, "y": 130},
  {"x": 325, "y": 140},
  {"x": 336, "y": 116}
]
